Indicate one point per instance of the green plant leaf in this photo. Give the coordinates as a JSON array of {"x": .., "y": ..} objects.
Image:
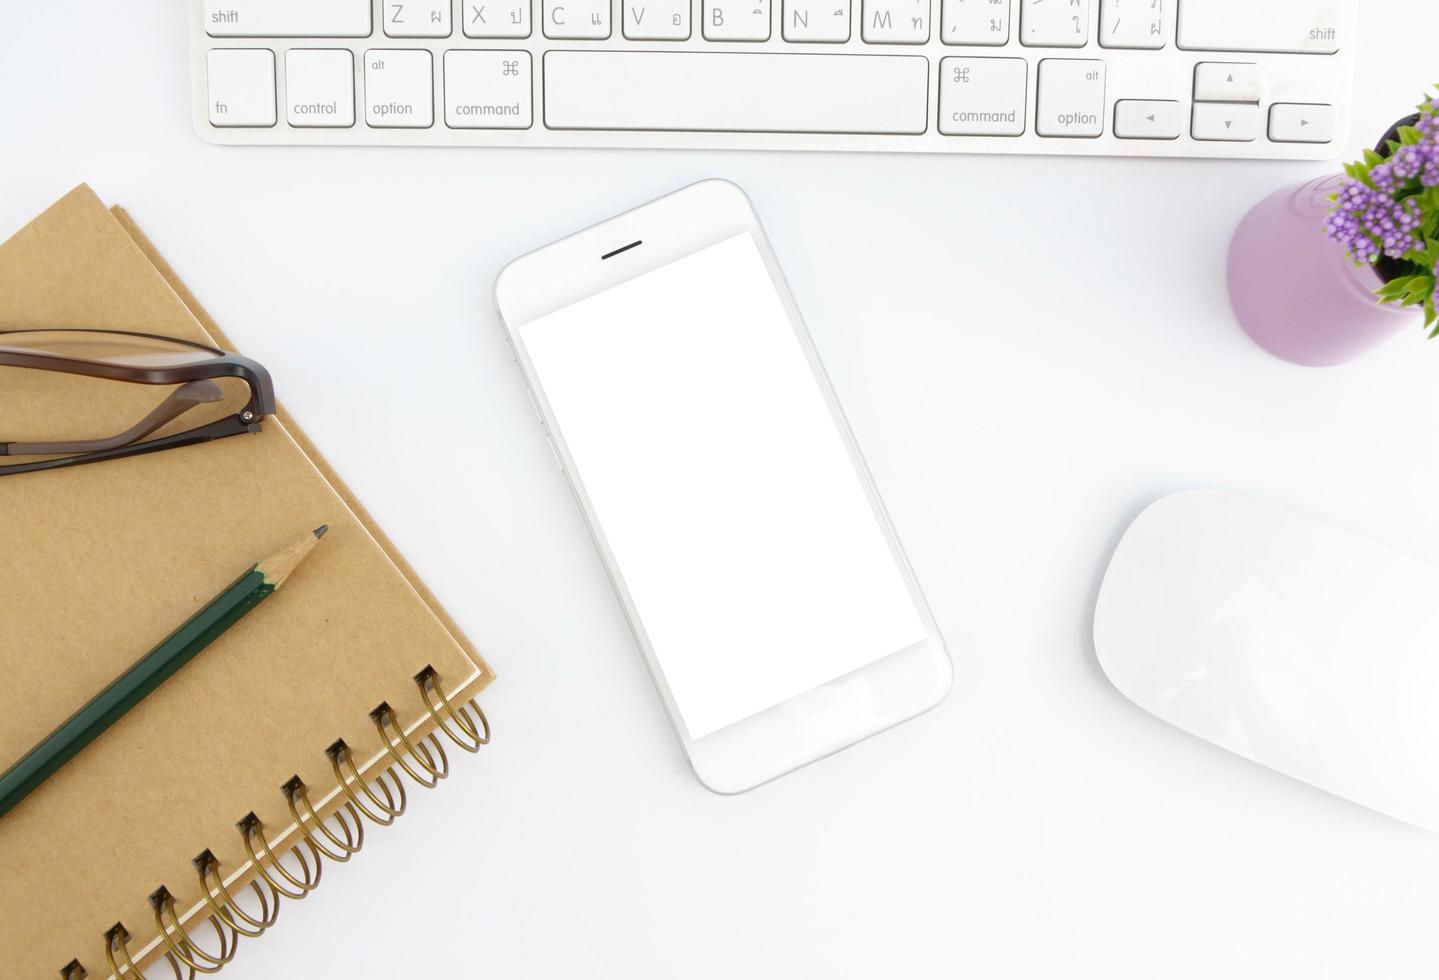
[
  {"x": 1419, "y": 258},
  {"x": 1395, "y": 287},
  {"x": 1388, "y": 295}
]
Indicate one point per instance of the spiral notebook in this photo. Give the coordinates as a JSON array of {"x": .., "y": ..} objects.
[{"x": 182, "y": 830}]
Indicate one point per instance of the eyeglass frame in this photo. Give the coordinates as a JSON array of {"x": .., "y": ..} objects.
[{"x": 260, "y": 405}]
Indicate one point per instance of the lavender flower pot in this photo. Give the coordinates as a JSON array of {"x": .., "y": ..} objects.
[{"x": 1298, "y": 294}]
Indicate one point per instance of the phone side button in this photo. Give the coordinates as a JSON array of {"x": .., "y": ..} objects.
[{"x": 549, "y": 440}]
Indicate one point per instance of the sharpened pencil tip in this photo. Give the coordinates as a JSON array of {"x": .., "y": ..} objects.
[{"x": 320, "y": 531}]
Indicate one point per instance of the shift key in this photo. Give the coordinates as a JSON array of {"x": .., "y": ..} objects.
[
  {"x": 1281, "y": 26},
  {"x": 287, "y": 18}
]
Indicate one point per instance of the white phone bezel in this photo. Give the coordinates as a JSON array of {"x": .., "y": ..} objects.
[{"x": 817, "y": 722}]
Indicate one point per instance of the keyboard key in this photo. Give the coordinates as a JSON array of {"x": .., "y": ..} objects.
[
  {"x": 319, "y": 87},
  {"x": 975, "y": 22},
  {"x": 1071, "y": 98},
  {"x": 427, "y": 18},
  {"x": 1260, "y": 54},
  {"x": 656, "y": 20},
  {"x": 1146, "y": 119},
  {"x": 487, "y": 90},
  {"x": 1132, "y": 23},
  {"x": 815, "y": 20},
  {"x": 1283, "y": 26},
  {"x": 1054, "y": 23},
  {"x": 242, "y": 87},
  {"x": 1225, "y": 122},
  {"x": 895, "y": 21},
  {"x": 287, "y": 18},
  {"x": 1219, "y": 81},
  {"x": 736, "y": 92},
  {"x": 736, "y": 20},
  {"x": 577, "y": 19},
  {"x": 1291, "y": 122},
  {"x": 399, "y": 89},
  {"x": 983, "y": 96},
  {"x": 505, "y": 18}
]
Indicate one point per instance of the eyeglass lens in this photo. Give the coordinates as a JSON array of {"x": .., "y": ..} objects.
[{"x": 60, "y": 412}]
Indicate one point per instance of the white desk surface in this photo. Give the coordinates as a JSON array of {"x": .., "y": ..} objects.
[{"x": 1029, "y": 349}]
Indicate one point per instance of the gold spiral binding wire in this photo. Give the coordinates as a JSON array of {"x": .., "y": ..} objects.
[
  {"x": 185, "y": 949},
  {"x": 423, "y": 760},
  {"x": 116, "y": 939},
  {"x": 297, "y": 794},
  {"x": 402, "y": 750},
  {"x": 251, "y": 830},
  {"x": 342, "y": 761},
  {"x": 227, "y": 908},
  {"x": 472, "y": 740}
]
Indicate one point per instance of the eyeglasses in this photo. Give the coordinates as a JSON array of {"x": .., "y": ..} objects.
[{"x": 95, "y": 382}]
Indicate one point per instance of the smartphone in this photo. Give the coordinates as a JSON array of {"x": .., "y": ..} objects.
[{"x": 687, "y": 407}]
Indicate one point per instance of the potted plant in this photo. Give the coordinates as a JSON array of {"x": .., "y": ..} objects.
[{"x": 1322, "y": 273}]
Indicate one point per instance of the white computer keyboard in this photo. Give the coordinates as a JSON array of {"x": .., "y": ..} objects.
[{"x": 1201, "y": 78}]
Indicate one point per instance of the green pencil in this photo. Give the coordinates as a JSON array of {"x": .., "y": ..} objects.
[{"x": 156, "y": 667}]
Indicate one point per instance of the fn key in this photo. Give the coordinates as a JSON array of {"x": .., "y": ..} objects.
[{"x": 241, "y": 87}]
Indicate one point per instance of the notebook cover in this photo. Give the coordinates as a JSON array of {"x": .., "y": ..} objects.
[{"x": 100, "y": 562}]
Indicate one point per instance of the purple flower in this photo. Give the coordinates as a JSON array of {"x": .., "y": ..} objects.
[{"x": 1380, "y": 217}]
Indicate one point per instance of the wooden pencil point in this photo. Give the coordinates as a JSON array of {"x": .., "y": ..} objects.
[{"x": 279, "y": 567}]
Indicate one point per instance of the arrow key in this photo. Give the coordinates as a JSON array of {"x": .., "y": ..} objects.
[
  {"x": 1227, "y": 123},
  {"x": 1144, "y": 119},
  {"x": 1226, "y": 81},
  {"x": 1291, "y": 122}
]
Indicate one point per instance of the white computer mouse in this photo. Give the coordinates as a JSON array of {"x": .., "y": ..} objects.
[{"x": 1290, "y": 642}]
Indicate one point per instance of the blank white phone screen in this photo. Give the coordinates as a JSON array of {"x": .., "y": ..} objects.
[{"x": 722, "y": 485}]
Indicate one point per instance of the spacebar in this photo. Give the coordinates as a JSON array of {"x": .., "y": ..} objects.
[{"x": 736, "y": 93}]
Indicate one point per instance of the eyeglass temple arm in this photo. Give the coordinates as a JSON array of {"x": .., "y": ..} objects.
[
  {"x": 181, "y": 400},
  {"x": 230, "y": 425}
]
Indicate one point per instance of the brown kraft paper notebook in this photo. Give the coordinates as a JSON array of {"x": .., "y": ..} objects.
[{"x": 100, "y": 562}]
